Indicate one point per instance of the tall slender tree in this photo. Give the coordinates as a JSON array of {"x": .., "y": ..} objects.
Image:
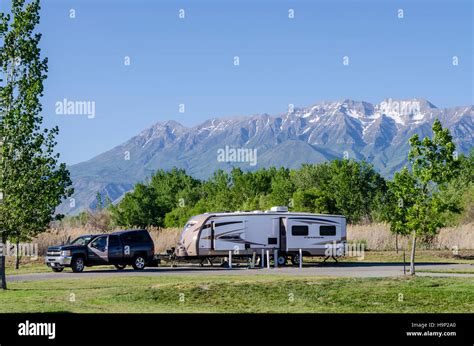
[
  {"x": 33, "y": 182},
  {"x": 417, "y": 204}
]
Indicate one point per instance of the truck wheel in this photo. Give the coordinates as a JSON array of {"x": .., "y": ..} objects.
[
  {"x": 58, "y": 270},
  {"x": 295, "y": 259},
  {"x": 138, "y": 262},
  {"x": 120, "y": 266},
  {"x": 281, "y": 260},
  {"x": 77, "y": 264}
]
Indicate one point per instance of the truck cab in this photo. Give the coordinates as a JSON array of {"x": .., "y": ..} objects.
[{"x": 122, "y": 248}]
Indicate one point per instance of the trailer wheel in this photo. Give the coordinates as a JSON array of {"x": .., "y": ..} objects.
[
  {"x": 295, "y": 259},
  {"x": 281, "y": 260}
]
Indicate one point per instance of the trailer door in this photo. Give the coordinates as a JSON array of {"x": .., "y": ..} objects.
[{"x": 283, "y": 247}]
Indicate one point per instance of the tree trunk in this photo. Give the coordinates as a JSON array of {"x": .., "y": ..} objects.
[
  {"x": 17, "y": 260},
  {"x": 412, "y": 257},
  {"x": 2, "y": 262},
  {"x": 396, "y": 242}
]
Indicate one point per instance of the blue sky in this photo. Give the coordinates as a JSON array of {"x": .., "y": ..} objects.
[{"x": 282, "y": 60}]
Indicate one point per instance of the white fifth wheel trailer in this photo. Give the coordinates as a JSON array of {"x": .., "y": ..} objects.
[{"x": 245, "y": 233}]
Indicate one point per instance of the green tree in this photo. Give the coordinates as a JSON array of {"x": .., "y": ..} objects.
[
  {"x": 33, "y": 183},
  {"x": 460, "y": 192},
  {"x": 148, "y": 204},
  {"x": 217, "y": 192},
  {"x": 344, "y": 187},
  {"x": 399, "y": 200},
  {"x": 248, "y": 187},
  {"x": 171, "y": 198},
  {"x": 99, "y": 202},
  {"x": 282, "y": 189},
  {"x": 137, "y": 208},
  {"x": 420, "y": 207}
]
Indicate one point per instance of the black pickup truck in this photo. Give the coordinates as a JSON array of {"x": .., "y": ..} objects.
[{"x": 122, "y": 248}]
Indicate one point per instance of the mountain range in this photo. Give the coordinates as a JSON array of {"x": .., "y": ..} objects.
[{"x": 377, "y": 133}]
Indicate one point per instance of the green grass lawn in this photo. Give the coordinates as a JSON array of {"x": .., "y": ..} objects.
[
  {"x": 256, "y": 294},
  {"x": 453, "y": 271},
  {"x": 27, "y": 267}
]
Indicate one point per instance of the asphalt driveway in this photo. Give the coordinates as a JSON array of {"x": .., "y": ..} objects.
[{"x": 363, "y": 269}]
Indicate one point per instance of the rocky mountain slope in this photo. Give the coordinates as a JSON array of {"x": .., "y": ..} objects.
[{"x": 378, "y": 133}]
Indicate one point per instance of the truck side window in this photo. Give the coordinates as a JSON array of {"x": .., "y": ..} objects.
[
  {"x": 299, "y": 230},
  {"x": 135, "y": 238},
  {"x": 99, "y": 243},
  {"x": 113, "y": 241},
  {"x": 327, "y": 230}
]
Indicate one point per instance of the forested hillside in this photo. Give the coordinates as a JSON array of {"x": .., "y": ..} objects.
[{"x": 347, "y": 187}]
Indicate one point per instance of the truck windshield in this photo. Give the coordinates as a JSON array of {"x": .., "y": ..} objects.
[{"x": 81, "y": 240}]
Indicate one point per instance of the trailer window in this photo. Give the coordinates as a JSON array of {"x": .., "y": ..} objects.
[
  {"x": 299, "y": 230},
  {"x": 190, "y": 224},
  {"x": 327, "y": 230},
  {"x": 272, "y": 241}
]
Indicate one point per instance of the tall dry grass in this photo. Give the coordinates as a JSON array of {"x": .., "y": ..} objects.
[
  {"x": 379, "y": 237},
  {"x": 165, "y": 238},
  {"x": 375, "y": 237}
]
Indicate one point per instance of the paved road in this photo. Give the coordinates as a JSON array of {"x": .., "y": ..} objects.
[{"x": 340, "y": 270}]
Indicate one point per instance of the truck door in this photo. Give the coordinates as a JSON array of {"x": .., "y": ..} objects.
[
  {"x": 97, "y": 251},
  {"x": 115, "y": 250}
]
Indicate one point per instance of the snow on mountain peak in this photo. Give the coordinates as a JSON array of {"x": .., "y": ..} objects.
[
  {"x": 364, "y": 115},
  {"x": 405, "y": 112}
]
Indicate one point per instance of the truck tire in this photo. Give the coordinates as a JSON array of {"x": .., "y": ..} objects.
[
  {"x": 139, "y": 262},
  {"x": 58, "y": 270},
  {"x": 120, "y": 266},
  {"x": 77, "y": 264}
]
